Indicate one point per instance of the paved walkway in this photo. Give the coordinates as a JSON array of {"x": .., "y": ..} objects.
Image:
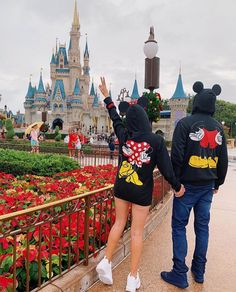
[{"x": 157, "y": 252}]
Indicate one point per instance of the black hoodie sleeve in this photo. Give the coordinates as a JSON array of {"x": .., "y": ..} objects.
[
  {"x": 178, "y": 149},
  {"x": 118, "y": 125},
  {"x": 222, "y": 164},
  {"x": 164, "y": 165}
]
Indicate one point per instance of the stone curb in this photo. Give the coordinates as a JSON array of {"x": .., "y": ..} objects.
[{"x": 82, "y": 277}]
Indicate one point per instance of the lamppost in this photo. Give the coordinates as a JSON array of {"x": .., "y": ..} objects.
[
  {"x": 152, "y": 63},
  {"x": 124, "y": 94}
]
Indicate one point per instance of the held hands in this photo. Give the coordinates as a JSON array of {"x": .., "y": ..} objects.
[
  {"x": 103, "y": 87},
  {"x": 181, "y": 192}
]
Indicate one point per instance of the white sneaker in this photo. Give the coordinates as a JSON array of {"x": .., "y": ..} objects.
[
  {"x": 104, "y": 271},
  {"x": 133, "y": 283}
]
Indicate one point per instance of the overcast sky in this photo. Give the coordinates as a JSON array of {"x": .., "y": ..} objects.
[{"x": 199, "y": 33}]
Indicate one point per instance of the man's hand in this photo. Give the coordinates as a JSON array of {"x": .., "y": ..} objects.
[
  {"x": 181, "y": 192},
  {"x": 103, "y": 87}
]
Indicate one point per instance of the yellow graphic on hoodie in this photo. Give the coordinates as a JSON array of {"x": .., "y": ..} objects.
[{"x": 131, "y": 175}]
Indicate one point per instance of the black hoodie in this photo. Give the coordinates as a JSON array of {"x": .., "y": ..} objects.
[
  {"x": 139, "y": 152},
  {"x": 199, "y": 152}
]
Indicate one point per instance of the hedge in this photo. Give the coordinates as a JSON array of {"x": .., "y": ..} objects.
[{"x": 20, "y": 163}]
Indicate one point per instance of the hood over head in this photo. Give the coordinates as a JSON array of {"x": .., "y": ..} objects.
[
  {"x": 137, "y": 121},
  {"x": 205, "y": 99}
]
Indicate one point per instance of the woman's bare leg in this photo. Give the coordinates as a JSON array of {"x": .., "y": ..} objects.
[
  {"x": 122, "y": 211},
  {"x": 139, "y": 216}
]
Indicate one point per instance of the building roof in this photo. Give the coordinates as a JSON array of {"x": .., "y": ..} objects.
[
  {"x": 59, "y": 86},
  {"x": 86, "y": 51},
  {"x": 96, "y": 100},
  {"x": 135, "y": 94},
  {"x": 179, "y": 91},
  {"x": 41, "y": 86},
  {"x": 76, "y": 88},
  {"x": 92, "y": 90},
  {"x": 62, "y": 50},
  {"x": 30, "y": 92},
  {"x": 76, "y": 16},
  {"x": 53, "y": 60}
]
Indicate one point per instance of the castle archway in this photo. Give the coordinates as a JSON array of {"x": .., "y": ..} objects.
[{"x": 57, "y": 122}]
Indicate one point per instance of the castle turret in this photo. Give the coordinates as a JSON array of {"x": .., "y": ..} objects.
[
  {"x": 29, "y": 100},
  {"x": 86, "y": 67},
  {"x": 74, "y": 51},
  {"x": 76, "y": 98},
  {"x": 135, "y": 95},
  {"x": 178, "y": 105},
  {"x": 40, "y": 94}
]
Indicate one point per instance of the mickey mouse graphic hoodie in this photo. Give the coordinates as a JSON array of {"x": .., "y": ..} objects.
[
  {"x": 199, "y": 151},
  {"x": 140, "y": 151}
]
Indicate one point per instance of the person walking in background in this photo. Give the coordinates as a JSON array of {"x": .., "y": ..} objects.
[
  {"x": 200, "y": 161},
  {"x": 139, "y": 152},
  {"x": 111, "y": 144},
  {"x": 82, "y": 142},
  {"x": 34, "y": 141}
]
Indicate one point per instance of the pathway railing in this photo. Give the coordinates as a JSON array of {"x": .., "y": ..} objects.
[{"x": 40, "y": 244}]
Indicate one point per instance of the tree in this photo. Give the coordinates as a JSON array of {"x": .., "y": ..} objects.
[
  {"x": 225, "y": 112},
  {"x": 10, "y": 130},
  {"x": 57, "y": 134},
  {"x": 154, "y": 105}
]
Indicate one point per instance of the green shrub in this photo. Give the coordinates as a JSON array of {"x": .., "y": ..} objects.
[
  {"x": 58, "y": 134},
  {"x": 10, "y": 130},
  {"x": 20, "y": 163}
]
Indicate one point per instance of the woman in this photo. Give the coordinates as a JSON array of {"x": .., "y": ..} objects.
[
  {"x": 73, "y": 137},
  {"x": 34, "y": 141},
  {"x": 139, "y": 152}
]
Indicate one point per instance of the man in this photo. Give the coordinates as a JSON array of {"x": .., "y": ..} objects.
[{"x": 200, "y": 161}]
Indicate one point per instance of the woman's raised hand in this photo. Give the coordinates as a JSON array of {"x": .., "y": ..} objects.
[{"x": 103, "y": 87}]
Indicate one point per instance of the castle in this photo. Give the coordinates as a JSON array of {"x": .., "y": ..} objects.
[{"x": 69, "y": 100}]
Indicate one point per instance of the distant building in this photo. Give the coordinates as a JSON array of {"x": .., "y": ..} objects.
[{"x": 68, "y": 99}]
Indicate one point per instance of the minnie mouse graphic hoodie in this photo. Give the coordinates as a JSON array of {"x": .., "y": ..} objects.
[
  {"x": 140, "y": 151},
  {"x": 199, "y": 152}
]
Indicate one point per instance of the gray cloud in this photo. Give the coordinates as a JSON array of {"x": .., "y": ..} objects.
[{"x": 200, "y": 34}]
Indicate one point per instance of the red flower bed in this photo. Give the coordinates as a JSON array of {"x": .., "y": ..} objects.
[{"x": 62, "y": 237}]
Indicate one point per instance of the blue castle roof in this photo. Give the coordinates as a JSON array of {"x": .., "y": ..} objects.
[
  {"x": 62, "y": 50},
  {"x": 179, "y": 91},
  {"x": 59, "y": 85},
  {"x": 96, "y": 100},
  {"x": 41, "y": 86},
  {"x": 76, "y": 88},
  {"x": 86, "y": 52},
  {"x": 30, "y": 92},
  {"x": 53, "y": 60},
  {"x": 135, "y": 94},
  {"x": 92, "y": 90}
]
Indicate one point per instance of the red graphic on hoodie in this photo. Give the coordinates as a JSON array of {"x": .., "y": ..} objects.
[{"x": 207, "y": 138}]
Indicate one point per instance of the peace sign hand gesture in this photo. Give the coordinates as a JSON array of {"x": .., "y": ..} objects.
[{"x": 103, "y": 87}]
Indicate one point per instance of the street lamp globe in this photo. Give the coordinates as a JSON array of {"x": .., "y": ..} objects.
[
  {"x": 150, "y": 46},
  {"x": 223, "y": 123}
]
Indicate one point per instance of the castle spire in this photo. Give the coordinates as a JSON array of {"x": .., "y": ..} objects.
[
  {"x": 86, "y": 51},
  {"x": 41, "y": 86},
  {"x": 92, "y": 90},
  {"x": 179, "y": 90},
  {"x": 135, "y": 94},
  {"x": 76, "y": 17}
]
